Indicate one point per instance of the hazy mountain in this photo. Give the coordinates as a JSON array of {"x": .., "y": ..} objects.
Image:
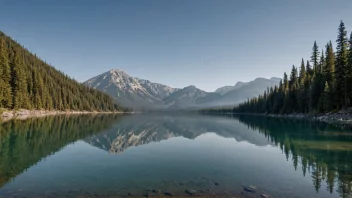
[
  {"x": 243, "y": 91},
  {"x": 143, "y": 94},
  {"x": 185, "y": 97},
  {"x": 226, "y": 89},
  {"x": 129, "y": 91}
]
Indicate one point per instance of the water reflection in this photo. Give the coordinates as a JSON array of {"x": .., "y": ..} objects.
[
  {"x": 321, "y": 151},
  {"x": 143, "y": 129},
  {"x": 23, "y": 143}
]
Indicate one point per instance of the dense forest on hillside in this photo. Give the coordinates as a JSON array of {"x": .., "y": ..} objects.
[
  {"x": 323, "y": 87},
  {"x": 323, "y": 84},
  {"x": 28, "y": 82}
]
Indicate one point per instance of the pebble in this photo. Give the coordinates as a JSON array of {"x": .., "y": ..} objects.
[{"x": 264, "y": 195}]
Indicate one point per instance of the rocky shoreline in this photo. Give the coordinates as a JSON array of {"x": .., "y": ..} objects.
[
  {"x": 25, "y": 113},
  {"x": 341, "y": 117}
]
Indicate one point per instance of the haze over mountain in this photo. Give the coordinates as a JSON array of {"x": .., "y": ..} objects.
[{"x": 141, "y": 94}]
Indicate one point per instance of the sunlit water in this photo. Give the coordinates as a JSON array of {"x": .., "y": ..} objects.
[{"x": 106, "y": 155}]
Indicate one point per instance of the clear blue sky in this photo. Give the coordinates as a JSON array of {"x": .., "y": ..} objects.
[{"x": 207, "y": 43}]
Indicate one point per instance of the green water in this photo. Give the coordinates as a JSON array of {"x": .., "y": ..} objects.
[{"x": 109, "y": 155}]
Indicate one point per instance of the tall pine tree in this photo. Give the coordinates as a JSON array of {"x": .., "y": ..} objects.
[
  {"x": 314, "y": 59},
  {"x": 302, "y": 94},
  {"x": 349, "y": 74},
  {"x": 341, "y": 66}
]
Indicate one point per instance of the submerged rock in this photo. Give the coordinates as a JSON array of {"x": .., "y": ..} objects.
[
  {"x": 264, "y": 195},
  {"x": 156, "y": 191},
  {"x": 191, "y": 192},
  {"x": 216, "y": 183},
  {"x": 166, "y": 193},
  {"x": 250, "y": 189}
]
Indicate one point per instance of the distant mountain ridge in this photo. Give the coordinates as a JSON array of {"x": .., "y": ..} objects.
[{"x": 142, "y": 94}]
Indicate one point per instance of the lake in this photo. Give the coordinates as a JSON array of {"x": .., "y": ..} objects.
[{"x": 167, "y": 154}]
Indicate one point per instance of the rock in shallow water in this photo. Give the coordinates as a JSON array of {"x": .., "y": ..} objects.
[
  {"x": 168, "y": 193},
  {"x": 191, "y": 192},
  {"x": 264, "y": 195},
  {"x": 250, "y": 189}
]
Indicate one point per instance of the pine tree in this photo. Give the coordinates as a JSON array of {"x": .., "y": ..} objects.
[
  {"x": 327, "y": 100},
  {"x": 20, "y": 96},
  {"x": 5, "y": 77},
  {"x": 314, "y": 59},
  {"x": 329, "y": 68},
  {"x": 315, "y": 76},
  {"x": 302, "y": 95},
  {"x": 340, "y": 66},
  {"x": 293, "y": 88},
  {"x": 320, "y": 82},
  {"x": 285, "y": 94},
  {"x": 349, "y": 74}
]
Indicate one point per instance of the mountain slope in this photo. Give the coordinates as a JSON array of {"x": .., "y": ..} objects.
[
  {"x": 129, "y": 91},
  {"x": 30, "y": 83},
  {"x": 245, "y": 91},
  {"x": 226, "y": 89},
  {"x": 184, "y": 98}
]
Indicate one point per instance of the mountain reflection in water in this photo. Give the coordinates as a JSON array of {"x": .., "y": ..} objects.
[{"x": 318, "y": 151}]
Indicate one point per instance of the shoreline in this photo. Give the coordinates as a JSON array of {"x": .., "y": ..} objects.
[
  {"x": 23, "y": 114},
  {"x": 341, "y": 117}
]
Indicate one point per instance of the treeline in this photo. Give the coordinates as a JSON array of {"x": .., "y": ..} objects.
[
  {"x": 323, "y": 84},
  {"x": 28, "y": 82}
]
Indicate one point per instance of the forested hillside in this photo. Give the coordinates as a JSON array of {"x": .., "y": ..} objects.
[
  {"x": 28, "y": 82},
  {"x": 323, "y": 84}
]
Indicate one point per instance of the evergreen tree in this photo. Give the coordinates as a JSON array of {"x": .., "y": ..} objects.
[
  {"x": 327, "y": 99},
  {"x": 5, "y": 76},
  {"x": 314, "y": 59},
  {"x": 293, "y": 88},
  {"x": 302, "y": 93},
  {"x": 329, "y": 68},
  {"x": 20, "y": 94},
  {"x": 340, "y": 67},
  {"x": 349, "y": 74}
]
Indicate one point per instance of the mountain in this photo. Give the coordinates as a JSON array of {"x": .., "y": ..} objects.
[
  {"x": 226, "y": 89},
  {"x": 28, "y": 82},
  {"x": 185, "y": 97},
  {"x": 243, "y": 91},
  {"x": 130, "y": 91},
  {"x": 145, "y": 95}
]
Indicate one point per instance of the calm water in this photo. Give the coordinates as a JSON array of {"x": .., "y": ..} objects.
[{"x": 100, "y": 156}]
